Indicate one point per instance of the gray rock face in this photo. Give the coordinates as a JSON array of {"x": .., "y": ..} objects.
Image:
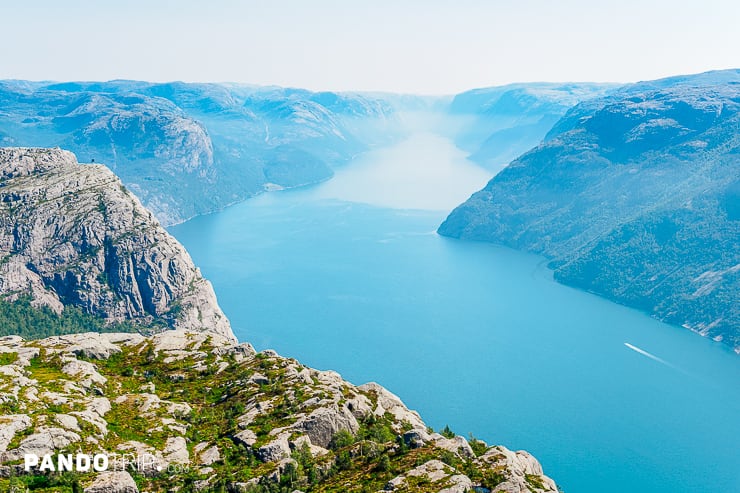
[
  {"x": 46, "y": 441},
  {"x": 11, "y": 425},
  {"x": 388, "y": 402},
  {"x": 176, "y": 450},
  {"x": 275, "y": 450},
  {"x": 457, "y": 445},
  {"x": 113, "y": 482},
  {"x": 209, "y": 456},
  {"x": 72, "y": 234},
  {"x": 322, "y": 424},
  {"x": 435, "y": 472},
  {"x": 246, "y": 438},
  {"x": 90, "y": 345}
]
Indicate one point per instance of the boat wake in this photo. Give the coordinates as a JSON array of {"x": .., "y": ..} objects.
[{"x": 649, "y": 355}]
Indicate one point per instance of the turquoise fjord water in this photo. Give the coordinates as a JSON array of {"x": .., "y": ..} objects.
[{"x": 472, "y": 335}]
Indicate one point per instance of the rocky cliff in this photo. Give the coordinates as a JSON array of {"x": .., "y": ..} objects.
[
  {"x": 192, "y": 411},
  {"x": 634, "y": 196},
  {"x": 73, "y": 235}
]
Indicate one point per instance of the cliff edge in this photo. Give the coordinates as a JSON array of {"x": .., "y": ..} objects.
[
  {"x": 73, "y": 235},
  {"x": 200, "y": 413}
]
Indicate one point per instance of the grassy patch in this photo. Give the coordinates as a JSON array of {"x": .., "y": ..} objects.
[{"x": 8, "y": 358}]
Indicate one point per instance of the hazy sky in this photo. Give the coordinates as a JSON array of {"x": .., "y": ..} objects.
[{"x": 404, "y": 46}]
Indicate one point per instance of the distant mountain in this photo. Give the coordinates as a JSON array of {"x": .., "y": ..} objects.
[
  {"x": 189, "y": 149},
  {"x": 192, "y": 148},
  {"x": 634, "y": 196},
  {"x": 497, "y": 124}
]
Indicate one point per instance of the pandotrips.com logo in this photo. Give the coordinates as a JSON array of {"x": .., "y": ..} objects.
[{"x": 97, "y": 463}]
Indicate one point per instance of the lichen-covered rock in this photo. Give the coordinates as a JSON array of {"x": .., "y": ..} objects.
[
  {"x": 9, "y": 426},
  {"x": 274, "y": 451},
  {"x": 457, "y": 445},
  {"x": 176, "y": 450},
  {"x": 442, "y": 476},
  {"x": 113, "y": 482},
  {"x": 72, "y": 234},
  {"x": 45, "y": 441},
  {"x": 323, "y": 423},
  {"x": 91, "y": 345},
  {"x": 388, "y": 402}
]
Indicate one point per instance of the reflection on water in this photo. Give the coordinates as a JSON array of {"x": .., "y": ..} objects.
[{"x": 425, "y": 171}]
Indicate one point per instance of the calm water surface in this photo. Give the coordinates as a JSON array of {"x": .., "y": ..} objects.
[{"x": 350, "y": 275}]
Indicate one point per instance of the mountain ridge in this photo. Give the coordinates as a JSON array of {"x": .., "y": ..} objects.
[
  {"x": 631, "y": 196},
  {"x": 219, "y": 144}
]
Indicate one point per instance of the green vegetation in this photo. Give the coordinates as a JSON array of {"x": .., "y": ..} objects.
[
  {"x": 667, "y": 243},
  {"x": 209, "y": 397},
  {"x": 534, "y": 481},
  {"x": 21, "y": 318},
  {"x": 51, "y": 483},
  {"x": 447, "y": 432},
  {"x": 7, "y": 358},
  {"x": 479, "y": 447}
]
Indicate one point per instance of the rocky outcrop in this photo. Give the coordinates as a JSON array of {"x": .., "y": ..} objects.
[
  {"x": 113, "y": 482},
  {"x": 72, "y": 235},
  {"x": 434, "y": 471},
  {"x": 634, "y": 196},
  {"x": 215, "y": 424}
]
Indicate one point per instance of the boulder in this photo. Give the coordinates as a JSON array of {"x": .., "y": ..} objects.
[
  {"x": 113, "y": 482},
  {"x": 323, "y": 423},
  {"x": 416, "y": 438},
  {"x": 459, "y": 445},
  {"x": 176, "y": 450},
  {"x": 434, "y": 471},
  {"x": 389, "y": 402},
  {"x": 302, "y": 440},
  {"x": 274, "y": 451},
  {"x": 209, "y": 456},
  {"x": 459, "y": 483},
  {"x": 85, "y": 373},
  {"x": 46, "y": 441},
  {"x": 246, "y": 438},
  {"x": 259, "y": 379},
  {"x": 91, "y": 345},
  {"x": 9, "y": 426},
  {"x": 67, "y": 421}
]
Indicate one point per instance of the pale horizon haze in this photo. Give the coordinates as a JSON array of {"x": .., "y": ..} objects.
[{"x": 431, "y": 47}]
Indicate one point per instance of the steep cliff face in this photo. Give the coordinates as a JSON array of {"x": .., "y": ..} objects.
[
  {"x": 634, "y": 197},
  {"x": 72, "y": 234},
  {"x": 195, "y": 412}
]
